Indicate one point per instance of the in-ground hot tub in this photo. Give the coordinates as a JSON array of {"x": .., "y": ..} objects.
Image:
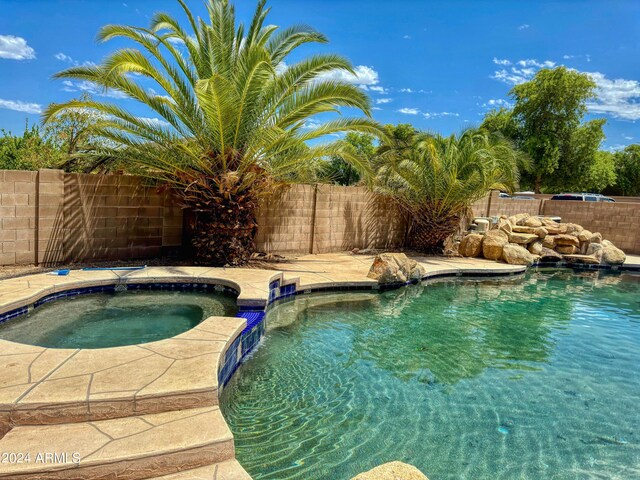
[{"x": 115, "y": 318}]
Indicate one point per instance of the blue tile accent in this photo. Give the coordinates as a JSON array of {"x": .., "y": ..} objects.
[{"x": 13, "y": 313}]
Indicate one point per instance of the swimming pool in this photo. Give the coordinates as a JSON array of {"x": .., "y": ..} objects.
[
  {"x": 532, "y": 377},
  {"x": 100, "y": 320}
]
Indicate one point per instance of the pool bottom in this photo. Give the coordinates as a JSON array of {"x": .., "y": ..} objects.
[{"x": 521, "y": 378}]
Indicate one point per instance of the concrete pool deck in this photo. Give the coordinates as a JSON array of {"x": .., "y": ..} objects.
[{"x": 144, "y": 411}]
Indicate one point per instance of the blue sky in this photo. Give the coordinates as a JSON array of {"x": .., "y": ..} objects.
[{"x": 437, "y": 64}]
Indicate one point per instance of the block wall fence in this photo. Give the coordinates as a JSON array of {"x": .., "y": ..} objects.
[{"x": 50, "y": 217}]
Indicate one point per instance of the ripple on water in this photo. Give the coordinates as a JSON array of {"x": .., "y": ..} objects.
[{"x": 528, "y": 378}]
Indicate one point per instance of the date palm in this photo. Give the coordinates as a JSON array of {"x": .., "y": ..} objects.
[
  {"x": 232, "y": 114},
  {"x": 436, "y": 179}
]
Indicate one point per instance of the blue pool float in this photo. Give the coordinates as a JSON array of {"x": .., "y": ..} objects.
[{"x": 60, "y": 272}]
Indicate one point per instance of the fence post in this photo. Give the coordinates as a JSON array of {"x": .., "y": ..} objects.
[{"x": 313, "y": 217}]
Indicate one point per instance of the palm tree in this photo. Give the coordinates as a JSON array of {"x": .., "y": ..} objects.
[
  {"x": 232, "y": 115},
  {"x": 436, "y": 179}
]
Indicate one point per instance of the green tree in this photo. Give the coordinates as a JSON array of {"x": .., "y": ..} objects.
[
  {"x": 582, "y": 166},
  {"x": 549, "y": 110},
  {"x": 343, "y": 172},
  {"x": 30, "y": 151},
  {"x": 602, "y": 172},
  {"x": 502, "y": 120},
  {"x": 546, "y": 123},
  {"x": 627, "y": 163},
  {"x": 74, "y": 132},
  {"x": 231, "y": 110},
  {"x": 438, "y": 178}
]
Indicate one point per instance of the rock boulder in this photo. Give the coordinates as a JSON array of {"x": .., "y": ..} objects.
[
  {"x": 533, "y": 222},
  {"x": 516, "y": 255},
  {"x": 535, "y": 248},
  {"x": 566, "y": 249},
  {"x": 522, "y": 238},
  {"x": 549, "y": 255},
  {"x": 585, "y": 259},
  {"x": 566, "y": 239},
  {"x": 492, "y": 244},
  {"x": 395, "y": 268},
  {"x": 471, "y": 245},
  {"x": 392, "y": 471},
  {"x": 611, "y": 255}
]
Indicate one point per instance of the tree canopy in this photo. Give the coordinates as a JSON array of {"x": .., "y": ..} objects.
[
  {"x": 546, "y": 123},
  {"x": 627, "y": 164}
]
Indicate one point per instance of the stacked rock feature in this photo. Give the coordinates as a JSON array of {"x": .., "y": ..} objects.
[{"x": 523, "y": 239}]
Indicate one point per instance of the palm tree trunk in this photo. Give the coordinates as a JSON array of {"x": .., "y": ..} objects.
[
  {"x": 429, "y": 230},
  {"x": 225, "y": 225}
]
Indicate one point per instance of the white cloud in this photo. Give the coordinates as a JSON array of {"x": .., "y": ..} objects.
[
  {"x": 63, "y": 58},
  {"x": 406, "y": 90},
  {"x": 15, "y": 48},
  {"x": 20, "y": 106},
  {"x": 524, "y": 26},
  {"x": 587, "y": 57},
  {"x": 531, "y": 62},
  {"x": 66, "y": 58},
  {"x": 499, "y": 102},
  {"x": 378, "y": 89},
  {"x": 509, "y": 78},
  {"x": 407, "y": 37},
  {"x": 616, "y": 148},
  {"x": 499, "y": 61},
  {"x": 429, "y": 115},
  {"x": 365, "y": 76},
  {"x": 627, "y": 137},
  {"x": 520, "y": 72},
  {"x": 91, "y": 88},
  {"x": 409, "y": 111},
  {"x": 617, "y": 97},
  {"x": 383, "y": 100},
  {"x": 156, "y": 122},
  {"x": 175, "y": 40},
  {"x": 309, "y": 124}
]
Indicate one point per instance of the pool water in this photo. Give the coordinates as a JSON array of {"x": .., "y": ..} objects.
[
  {"x": 532, "y": 377},
  {"x": 114, "y": 319}
]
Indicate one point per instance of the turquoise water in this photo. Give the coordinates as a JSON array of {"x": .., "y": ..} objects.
[
  {"x": 533, "y": 377},
  {"x": 110, "y": 320}
]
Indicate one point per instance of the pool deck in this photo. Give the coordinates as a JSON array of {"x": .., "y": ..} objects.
[{"x": 143, "y": 411}]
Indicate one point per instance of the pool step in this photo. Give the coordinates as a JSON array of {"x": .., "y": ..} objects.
[
  {"x": 129, "y": 448},
  {"x": 229, "y": 470}
]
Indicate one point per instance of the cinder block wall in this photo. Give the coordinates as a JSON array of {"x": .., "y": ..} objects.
[
  {"x": 327, "y": 218},
  {"x": 286, "y": 219},
  {"x": 50, "y": 217},
  {"x": 18, "y": 202},
  {"x": 352, "y": 217},
  {"x": 492, "y": 205}
]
